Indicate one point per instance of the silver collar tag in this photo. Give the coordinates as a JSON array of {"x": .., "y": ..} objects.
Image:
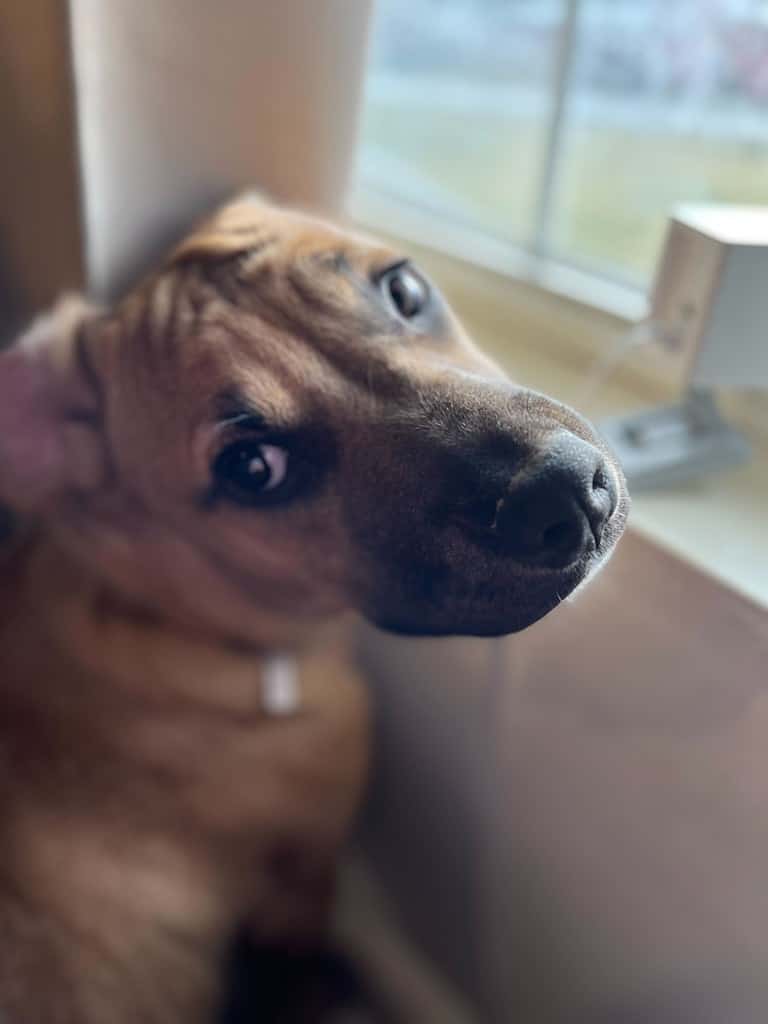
[{"x": 280, "y": 691}]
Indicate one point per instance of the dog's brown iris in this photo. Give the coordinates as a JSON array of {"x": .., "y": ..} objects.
[
  {"x": 247, "y": 469},
  {"x": 407, "y": 291}
]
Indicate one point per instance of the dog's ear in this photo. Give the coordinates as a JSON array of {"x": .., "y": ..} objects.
[
  {"x": 50, "y": 410},
  {"x": 239, "y": 226}
]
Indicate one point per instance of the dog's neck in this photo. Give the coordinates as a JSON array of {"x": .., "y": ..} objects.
[
  {"x": 68, "y": 623},
  {"x": 95, "y": 685},
  {"x": 118, "y": 632},
  {"x": 133, "y": 735}
]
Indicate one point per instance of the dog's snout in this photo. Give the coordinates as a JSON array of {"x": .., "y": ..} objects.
[
  {"x": 558, "y": 514},
  {"x": 558, "y": 511}
]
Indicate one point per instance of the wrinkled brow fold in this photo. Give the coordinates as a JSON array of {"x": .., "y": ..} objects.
[
  {"x": 239, "y": 227},
  {"x": 249, "y": 226}
]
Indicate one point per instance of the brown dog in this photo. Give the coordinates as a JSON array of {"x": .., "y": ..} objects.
[{"x": 284, "y": 422}]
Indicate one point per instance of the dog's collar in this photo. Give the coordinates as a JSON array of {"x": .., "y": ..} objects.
[{"x": 280, "y": 690}]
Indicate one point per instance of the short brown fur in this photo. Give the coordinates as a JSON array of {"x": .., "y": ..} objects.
[{"x": 148, "y": 802}]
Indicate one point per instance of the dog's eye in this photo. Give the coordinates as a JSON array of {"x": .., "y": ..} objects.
[
  {"x": 405, "y": 290},
  {"x": 246, "y": 470}
]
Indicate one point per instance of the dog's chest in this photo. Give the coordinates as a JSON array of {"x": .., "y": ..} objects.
[{"x": 165, "y": 805}]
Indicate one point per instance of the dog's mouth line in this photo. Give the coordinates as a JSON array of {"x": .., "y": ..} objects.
[{"x": 558, "y": 583}]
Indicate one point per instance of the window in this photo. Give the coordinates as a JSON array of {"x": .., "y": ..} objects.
[{"x": 567, "y": 129}]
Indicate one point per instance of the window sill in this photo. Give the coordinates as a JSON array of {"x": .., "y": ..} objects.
[
  {"x": 414, "y": 223},
  {"x": 551, "y": 342}
]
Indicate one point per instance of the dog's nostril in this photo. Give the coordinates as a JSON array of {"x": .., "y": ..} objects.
[
  {"x": 602, "y": 503},
  {"x": 555, "y": 515},
  {"x": 479, "y": 514},
  {"x": 561, "y": 536},
  {"x": 550, "y": 516}
]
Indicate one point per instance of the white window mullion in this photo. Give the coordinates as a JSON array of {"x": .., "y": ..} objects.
[{"x": 566, "y": 53}]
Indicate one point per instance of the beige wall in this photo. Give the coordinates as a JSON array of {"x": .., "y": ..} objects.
[
  {"x": 39, "y": 207},
  {"x": 176, "y": 103},
  {"x": 183, "y": 101}
]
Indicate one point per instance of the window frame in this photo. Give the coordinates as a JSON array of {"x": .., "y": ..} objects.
[
  {"x": 537, "y": 260},
  {"x": 377, "y": 209}
]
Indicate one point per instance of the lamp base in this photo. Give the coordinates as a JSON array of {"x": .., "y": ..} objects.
[{"x": 673, "y": 444}]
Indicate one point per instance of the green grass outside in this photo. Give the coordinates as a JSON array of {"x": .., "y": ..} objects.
[{"x": 615, "y": 190}]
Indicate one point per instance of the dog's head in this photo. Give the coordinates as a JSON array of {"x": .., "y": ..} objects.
[{"x": 287, "y": 420}]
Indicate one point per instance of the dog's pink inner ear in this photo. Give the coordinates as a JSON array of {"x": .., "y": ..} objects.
[{"x": 46, "y": 440}]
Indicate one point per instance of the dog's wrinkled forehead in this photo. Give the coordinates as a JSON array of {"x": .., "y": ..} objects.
[
  {"x": 279, "y": 308},
  {"x": 298, "y": 274},
  {"x": 287, "y": 242},
  {"x": 289, "y": 303}
]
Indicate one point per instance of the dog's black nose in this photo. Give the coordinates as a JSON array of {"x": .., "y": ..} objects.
[{"x": 557, "y": 512}]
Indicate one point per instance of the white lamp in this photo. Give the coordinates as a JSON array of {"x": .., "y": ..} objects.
[{"x": 710, "y": 303}]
